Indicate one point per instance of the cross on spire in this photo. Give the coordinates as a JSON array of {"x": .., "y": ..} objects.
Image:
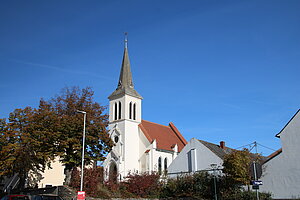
[{"x": 126, "y": 40}]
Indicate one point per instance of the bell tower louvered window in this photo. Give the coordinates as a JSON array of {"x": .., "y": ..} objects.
[
  {"x": 134, "y": 111},
  {"x": 130, "y": 110},
  {"x": 116, "y": 111},
  {"x": 120, "y": 110}
]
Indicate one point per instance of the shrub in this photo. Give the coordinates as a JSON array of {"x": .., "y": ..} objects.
[
  {"x": 198, "y": 185},
  {"x": 141, "y": 185},
  {"x": 92, "y": 178}
]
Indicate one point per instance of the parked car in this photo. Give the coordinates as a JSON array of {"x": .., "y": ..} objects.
[
  {"x": 15, "y": 197},
  {"x": 45, "y": 197}
]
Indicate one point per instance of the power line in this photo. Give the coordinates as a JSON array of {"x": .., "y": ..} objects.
[
  {"x": 266, "y": 147},
  {"x": 252, "y": 145}
]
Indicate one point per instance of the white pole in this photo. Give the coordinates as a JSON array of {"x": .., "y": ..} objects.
[
  {"x": 255, "y": 175},
  {"x": 83, "y": 147}
]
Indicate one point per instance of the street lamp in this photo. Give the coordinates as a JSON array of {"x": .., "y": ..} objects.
[
  {"x": 83, "y": 142},
  {"x": 214, "y": 167}
]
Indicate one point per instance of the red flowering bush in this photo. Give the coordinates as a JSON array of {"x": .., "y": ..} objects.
[
  {"x": 91, "y": 180},
  {"x": 141, "y": 185}
]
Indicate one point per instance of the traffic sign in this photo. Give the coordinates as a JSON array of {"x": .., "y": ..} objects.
[
  {"x": 257, "y": 182},
  {"x": 80, "y": 195}
]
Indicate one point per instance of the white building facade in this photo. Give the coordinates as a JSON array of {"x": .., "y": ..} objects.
[
  {"x": 281, "y": 172},
  {"x": 140, "y": 146},
  {"x": 198, "y": 155}
]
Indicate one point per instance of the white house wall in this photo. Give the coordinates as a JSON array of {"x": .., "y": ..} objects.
[
  {"x": 281, "y": 174},
  {"x": 54, "y": 176},
  {"x": 204, "y": 158}
]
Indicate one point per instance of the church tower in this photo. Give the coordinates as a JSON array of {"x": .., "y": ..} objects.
[{"x": 124, "y": 119}]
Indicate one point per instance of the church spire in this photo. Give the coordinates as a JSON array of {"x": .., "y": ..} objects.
[{"x": 125, "y": 85}]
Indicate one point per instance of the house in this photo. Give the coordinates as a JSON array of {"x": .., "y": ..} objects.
[
  {"x": 140, "y": 145},
  {"x": 281, "y": 175},
  {"x": 198, "y": 155}
]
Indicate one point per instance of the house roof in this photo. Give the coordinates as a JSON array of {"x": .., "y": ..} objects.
[
  {"x": 278, "y": 134},
  {"x": 166, "y": 136},
  {"x": 216, "y": 149},
  {"x": 220, "y": 152},
  {"x": 125, "y": 85},
  {"x": 273, "y": 155}
]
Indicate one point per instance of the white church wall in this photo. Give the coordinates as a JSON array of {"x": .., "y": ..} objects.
[
  {"x": 143, "y": 147},
  {"x": 163, "y": 155},
  {"x": 281, "y": 175},
  {"x": 131, "y": 148},
  {"x": 128, "y": 147}
]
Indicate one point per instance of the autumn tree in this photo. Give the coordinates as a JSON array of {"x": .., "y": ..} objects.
[
  {"x": 69, "y": 127},
  {"x": 33, "y": 137},
  {"x": 22, "y": 147},
  {"x": 237, "y": 167}
]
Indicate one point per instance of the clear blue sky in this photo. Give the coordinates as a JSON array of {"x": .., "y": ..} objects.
[{"x": 219, "y": 70}]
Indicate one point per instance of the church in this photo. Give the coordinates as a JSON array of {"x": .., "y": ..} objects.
[{"x": 140, "y": 145}]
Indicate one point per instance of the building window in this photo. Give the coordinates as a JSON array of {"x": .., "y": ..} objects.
[
  {"x": 192, "y": 160},
  {"x": 116, "y": 111},
  {"x": 134, "y": 111},
  {"x": 120, "y": 109},
  {"x": 116, "y": 139},
  {"x": 159, "y": 165},
  {"x": 166, "y": 166},
  {"x": 130, "y": 110}
]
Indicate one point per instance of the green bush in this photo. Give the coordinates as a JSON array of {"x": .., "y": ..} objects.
[{"x": 198, "y": 186}]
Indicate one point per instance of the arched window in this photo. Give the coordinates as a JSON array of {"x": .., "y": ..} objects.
[
  {"x": 116, "y": 111},
  {"x": 120, "y": 109},
  {"x": 130, "y": 110},
  {"x": 134, "y": 111},
  {"x": 159, "y": 165},
  {"x": 166, "y": 166}
]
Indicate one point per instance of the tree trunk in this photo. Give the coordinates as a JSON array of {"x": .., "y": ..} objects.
[{"x": 68, "y": 173}]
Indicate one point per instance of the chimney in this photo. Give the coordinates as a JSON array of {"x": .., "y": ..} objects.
[{"x": 222, "y": 145}]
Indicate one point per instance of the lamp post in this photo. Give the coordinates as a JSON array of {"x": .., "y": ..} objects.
[
  {"x": 83, "y": 143},
  {"x": 214, "y": 167}
]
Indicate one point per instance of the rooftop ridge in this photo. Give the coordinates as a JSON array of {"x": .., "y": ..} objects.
[{"x": 155, "y": 123}]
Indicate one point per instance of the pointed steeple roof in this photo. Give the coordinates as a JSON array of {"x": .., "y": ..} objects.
[{"x": 125, "y": 85}]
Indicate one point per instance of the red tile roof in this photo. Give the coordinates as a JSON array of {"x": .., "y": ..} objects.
[{"x": 166, "y": 136}]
